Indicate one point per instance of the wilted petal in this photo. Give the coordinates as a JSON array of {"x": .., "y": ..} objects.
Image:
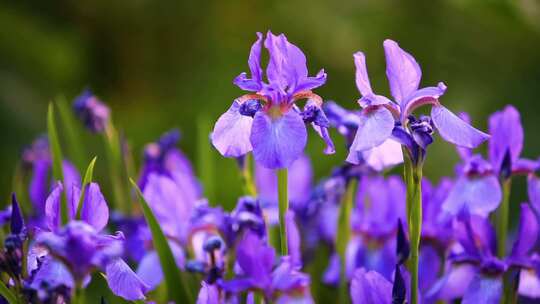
[
  {"x": 480, "y": 195},
  {"x": 231, "y": 132},
  {"x": 370, "y": 287},
  {"x": 455, "y": 130},
  {"x": 483, "y": 289},
  {"x": 507, "y": 135},
  {"x": 277, "y": 142},
  {"x": 376, "y": 125},
  {"x": 362, "y": 78},
  {"x": 95, "y": 210},
  {"x": 124, "y": 282},
  {"x": 402, "y": 71}
]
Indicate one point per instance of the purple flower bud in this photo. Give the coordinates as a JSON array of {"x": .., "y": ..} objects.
[
  {"x": 399, "y": 291},
  {"x": 403, "y": 247},
  {"x": 91, "y": 111}
]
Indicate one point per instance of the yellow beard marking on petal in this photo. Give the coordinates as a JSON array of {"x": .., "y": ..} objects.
[{"x": 275, "y": 112}]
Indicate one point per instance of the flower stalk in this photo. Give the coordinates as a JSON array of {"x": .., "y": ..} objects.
[
  {"x": 283, "y": 197},
  {"x": 502, "y": 218}
]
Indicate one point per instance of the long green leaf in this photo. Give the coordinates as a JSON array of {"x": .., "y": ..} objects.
[
  {"x": 72, "y": 131},
  {"x": 173, "y": 275},
  {"x": 87, "y": 180},
  {"x": 7, "y": 293},
  {"x": 57, "y": 158}
]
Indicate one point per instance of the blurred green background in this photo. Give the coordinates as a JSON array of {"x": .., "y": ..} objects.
[{"x": 163, "y": 64}]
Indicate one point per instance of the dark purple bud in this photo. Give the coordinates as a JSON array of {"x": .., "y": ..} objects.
[
  {"x": 506, "y": 165},
  {"x": 399, "y": 291},
  {"x": 195, "y": 266},
  {"x": 422, "y": 130},
  {"x": 213, "y": 243},
  {"x": 17, "y": 220},
  {"x": 169, "y": 139},
  {"x": 91, "y": 111},
  {"x": 314, "y": 114},
  {"x": 403, "y": 247},
  {"x": 250, "y": 107}
]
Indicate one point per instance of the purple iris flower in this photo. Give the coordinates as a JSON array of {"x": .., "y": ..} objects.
[
  {"x": 383, "y": 119},
  {"x": 38, "y": 156},
  {"x": 94, "y": 114},
  {"x": 11, "y": 257},
  {"x": 506, "y": 144},
  {"x": 476, "y": 274},
  {"x": 70, "y": 253},
  {"x": 281, "y": 283},
  {"x": 379, "y": 158},
  {"x": 267, "y": 121}
]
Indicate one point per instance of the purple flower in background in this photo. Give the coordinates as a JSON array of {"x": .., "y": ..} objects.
[
  {"x": 38, "y": 156},
  {"x": 383, "y": 119},
  {"x": 258, "y": 271},
  {"x": 379, "y": 158},
  {"x": 268, "y": 122},
  {"x": 506, "y": 144},
  {"x": 81, "y": 247},
  {"x": 11, "y": 257},
  {"x": 93, "y": 113},
  {"x": 476, "y": 274}
]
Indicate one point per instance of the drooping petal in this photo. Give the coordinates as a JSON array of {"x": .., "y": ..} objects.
[
  {"x": 255, "y": 82},
  {"x": 149, "y": 270},
  {"x": 529, "y": 284},
  {"x": 231, "y": 132},
  {"x": 480, "y": 195},
  {"x": 507, "y": 135},
  {"x": 370, "y": 287},
  {"x": 483, "y": 289},
  {"x": 52, "y": 273},
  {"x": 527, "y": 234},
  {"x": 362, "y": 78},
  {"x": 376, "y": 124},
  {"x": 428, "y": 95},
  {"x": 455, "y": 130},
  {"x": 464, "y": 153},
  {"x": 402, "y": 71},
  {"x": 95, "y": 210},
  {"x": 124, "y": 282},
  {"x": 385, "y": 156},
  {"x": 277, "y": 142}
]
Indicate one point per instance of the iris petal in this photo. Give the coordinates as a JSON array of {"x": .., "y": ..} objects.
[
  {"x": 95, "y": 210},
  {"x": 480, "y": 195},
  {"x": 231, "y": 132},
  {"x": 455, "y": 130},
  {"x": 124, "y": 282},
  {"x": 370, "y": 287},
  {"x": 402, "y": 71},
  {"x": 483, "y": 289},
  {"x": 277, "y": 142}
]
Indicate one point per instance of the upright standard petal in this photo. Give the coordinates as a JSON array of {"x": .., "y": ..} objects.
[
  {"x": 507, "y": 135},
  {"x": 95, "y": 210},
  {"x": 402, "y": 71},
  {"x": 231, "y": 132},
  {"x": 52, "y": 207},
  {"x": 376, "y": 125},
  {"x": 362, "y": 78},
  {"x": 455, "y": 130},
  {"x": 277, "y": 142},
  {"x": 254, "y": 83},
  {"x": 124, "y": 282},
  {"x": 480, "y": 195},
  {"x": 370, "y": 287}
]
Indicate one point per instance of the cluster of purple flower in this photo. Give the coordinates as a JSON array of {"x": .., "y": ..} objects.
[{"x": 390, "y": 239}]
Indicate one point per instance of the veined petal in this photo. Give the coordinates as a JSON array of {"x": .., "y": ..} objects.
[
  {"x": 370, "y": 287},
  {"x": 483, "y": 289},
  {"x": 507, "y": 135},
  {"x": 429, "y": 95},
  {"x": 455, "y": 130},
  {"x": 362, "y": 78},
  {"x": 402, "y": 71},
  {"x": 231, "y": 132},
  {"x": 277, "y": 142},
  {"x": 480, "y": 195},
  {"x": 376, "y": 124},
  {"x": 95, "y": 210},
  {"x": 124, "y": 282}
]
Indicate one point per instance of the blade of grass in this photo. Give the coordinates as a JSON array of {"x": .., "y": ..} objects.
[
  {"x": 171, "y": 272},
  {"x": 7, "y": 293},
  {"x": 57, "y": 158},
  {"x": 87, "y": 180},
  {"x": 71, "y": 130}
]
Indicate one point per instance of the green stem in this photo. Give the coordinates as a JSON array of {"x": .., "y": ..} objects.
[
  {"x": 283, "y": 196},
  {"x": 413, "y": 179},
  {"x": 114, "y": 158},
  {"x": 247, "y": 176},
  {"x": 502, "y": 219},
  {"x": 344, "y": 234}
]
